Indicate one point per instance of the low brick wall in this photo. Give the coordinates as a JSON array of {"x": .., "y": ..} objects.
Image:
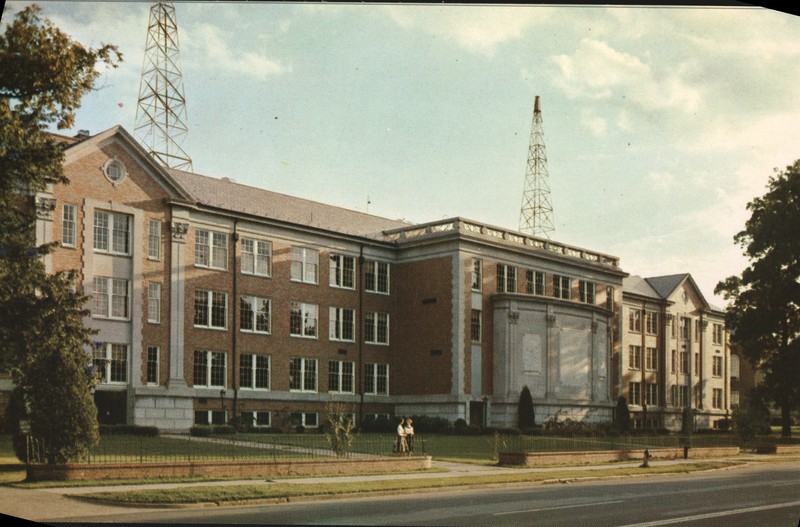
[
  {"x": 533, "y": 459},
  {"x": 778, "y": 449},
  {"x": 227, "y": 469}
]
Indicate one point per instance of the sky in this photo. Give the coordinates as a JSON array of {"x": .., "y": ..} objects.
[{"x": 660, "y": 123}]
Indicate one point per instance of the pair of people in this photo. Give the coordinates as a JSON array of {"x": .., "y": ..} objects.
[{"x": 405, "y": 436}]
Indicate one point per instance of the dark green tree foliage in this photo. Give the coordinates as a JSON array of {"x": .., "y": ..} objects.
[
  {"x": 43, "y": 343},
  {"x": 622, "y": 415},
  {"x": 764, "y": 313},
  {"x": 751, "y": 418},
  {"x": 525, "y": 411}
]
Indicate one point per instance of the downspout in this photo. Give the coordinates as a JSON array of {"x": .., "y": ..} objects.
[
  {"x": 360, "y": 380},
  {"x": 643, "y": 365},
  {"x": 235, "y": 302}
]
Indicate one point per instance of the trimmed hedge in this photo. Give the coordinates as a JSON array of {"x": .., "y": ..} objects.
[{"x": 133, "y": 430}]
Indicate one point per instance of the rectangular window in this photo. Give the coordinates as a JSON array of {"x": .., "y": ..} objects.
[
  {"x": 734, "y": 399},
  {"x": 303, "y": 375},
  {"x": 696, "y": 396},
  {"x": 634, "y": 320},
  {"x": 680, "y": 395},
  {"x": 210, "y": 309},
  {"x": 111, "y": 361},
  {"x": 376, "y": 277},
  {"x": 209, "y": 369},
  {"x": 534, "y": 282},
  {"x": 561, "y": 286},
  {"x": 211, "y": 249},
  {"x": 343, "y": 271},
  {"x": 651, "y": 394},
  {"x": 717, "y": 367},
  {"x": 716, "y": 398},
  {"x": 342, "y": 324},
  {"x": 718, "y": 333},
  {"x": 376, "y": 328},
  {"x": 110, "y": 298},
  {"x": 635, "y": 357},
  {"x": 68, "y": 226},
  {"x": 475, "y": 326},
  {"x": 154, "y": 240},
  {"x": 255, "y": 314},
  {"x": 254, "y": 371},
  {"x": 697, "y": 331},
  {"x": 696, "y": 371},
  {"x": 586, "y": 291},
  {"x": 305, "y": 265},
  {"x": 674, "y": 363},
  {"x": 684, "y": 366},
  {"x": 651, "y": 359},
  {"x": 112, "y": 232},
  {"x": 304, "y": 419},
  {"x": 340, "y": 376},
  {"x": 635, "y": 393},
  {"x": 303, "y": 320},
  {"x": 673, "y": 326},
  {"x": 154, "y": 302},
  {"x": 376, "y": 379},
  {"x": 506, "y": 278},
  {"x": 256, "y": 257},
  {"x": 686, "y": 328},
  {"x": 257, "y": 419},
  {"x": 153, "y": 353},
  {"x": 651, "y": 322},
  {"x": 477, "y": 274}
]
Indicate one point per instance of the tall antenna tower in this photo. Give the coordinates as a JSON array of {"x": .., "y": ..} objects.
[
  {"x": 161, "y": 112},
  {"x": 536, "y": 215}
]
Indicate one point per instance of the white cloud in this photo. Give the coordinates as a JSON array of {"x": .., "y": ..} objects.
[
  {"x": 596, "y": 124},
  {"x": 660, "y": 181}
]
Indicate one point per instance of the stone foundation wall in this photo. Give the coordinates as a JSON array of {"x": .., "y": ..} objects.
[{"x": 533, "y": 459}]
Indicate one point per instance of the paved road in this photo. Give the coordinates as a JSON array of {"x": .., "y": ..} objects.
[{"x": 765, "y": 494}]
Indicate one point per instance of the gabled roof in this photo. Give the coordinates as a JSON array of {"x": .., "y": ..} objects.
[
  {"x": 637, "y": 285},
  {"x": 665, "y": 285}
]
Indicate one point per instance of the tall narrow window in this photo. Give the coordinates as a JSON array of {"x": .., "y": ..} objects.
[
  {"x": 376, "y": 328},
  {"x": 154, "y": 302},
  {"x": 651, "y": 395},
  {"x": 686, "y": 328},
  {"x": 254, "y": 371},
  {"x": 651, "y": 359},
  {"x": 561, "y": 286},
  {"x": 716, "y": 401},
  {"x": 111, "y": 360},
  {"x": 376, "y": 277},
  {"x": 506, "y": 278},
  {"x": 110, "y": 298},
  {"x": 152, "y": 364},
  {"x": 68, "y": 226},
  {"x": 342, "y": 324},
  {"x": 305, "y": 265},
  {"x": 651, "y": 322},
  {"x": 635, "y": 393},
  {"x": 256, "y": 257},
  {"x": 111, "y": 232},
  {"x": 154, "y": 240},
  {"x": 534, "y": 282},
  {"x": 303, "y": 375},
  {"x": 634, "y": 320},
  {"x": 340, "y": 376},
  {"x": 717, "y": 367},
  {"x": 718, "y": 333},
  {"x": 635, "y": 357},
  {"x": 586, "y": 291},
  {"x": 376, "y": 379},
  {"x": 477, "y": 274},
  {"x": 342, "y": 271},
  {"x": 476, "y": 326},
  {"x": 255, "y": 314}
]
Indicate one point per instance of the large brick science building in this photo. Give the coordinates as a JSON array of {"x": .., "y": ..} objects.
[{"x": 214, "y": 299}]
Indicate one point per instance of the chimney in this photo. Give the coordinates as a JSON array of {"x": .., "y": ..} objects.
[{"x": 82, "y": 134}]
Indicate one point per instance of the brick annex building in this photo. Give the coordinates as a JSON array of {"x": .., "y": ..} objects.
[{"x": 214, "y": 299}]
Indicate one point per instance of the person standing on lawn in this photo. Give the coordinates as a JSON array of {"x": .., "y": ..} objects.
[
  {"x": 409, "y": 430},
  {"x": 402, "y": 445}
]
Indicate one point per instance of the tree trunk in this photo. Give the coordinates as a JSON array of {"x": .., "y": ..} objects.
[{"x": 786, "y": 418}]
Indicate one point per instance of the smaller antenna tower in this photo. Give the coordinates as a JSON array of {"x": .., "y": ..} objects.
[
  {"x": 536, "y": 214},
  {"x": 161, "y": 112}
]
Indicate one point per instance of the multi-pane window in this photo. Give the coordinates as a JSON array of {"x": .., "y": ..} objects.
[
  {"x": 254, "y": 371},
  {"x": 210, "y": 309},
  {"x": 634, "y": 320},
  {"x": 303, "y": 320},
  {"x": 674, "y": 362},
  {"x": 716, "y": 398},
  {"x": 718, "y": 333},
  {"x": 154, "y": 302},
  {"x": 635, "y": 357},
  {"x": 635, "y": 393},
  {"x": 153, "y": 357},
  {"x": 340, "y": 376},
  {"x": 342, "y": 324},
  {"x": 651, "y": 394},
  {"x": 376, "y": 277},
  {"x": 154, "y": 240},
  {"x": 255, "y": 314},
  {"x": 680, "y": 395},
  {"x": 651, "y": 322},
  {"x": 506, "y": 278},
  {"x": 304, "y": 419},
  {"x": 209, "y": 369},
  {"x": 211, "y": 249},
  {"x": 684, "y": 364},
  {"x": 68, "y": 225},
  {"x": 112, "y": 232},
  {"x": 210, "y": 417},
  {"x": 477, "y": 274},
  {"x": 305, "y": 265},
  {"x": 651, "y": 359},
  {"x": 259, "y": 418},
  {"x": 111, "y": 361},
  {"x": 717, "y": 367},
  {"x": 303, "y": 375},
  {"x": 376, "y": 328},
  {"x": 697, "y": 327},
  {"x": 376, "y": 379},
  {"x": 475, "y": 325},
  {"x": 343, "y": 271},
  {"x": 696, "y": 364},
  {"x": 561, "y": 286},
  {"x": 586, "y": 291},
  {"x": 686, "y": 328},
  {"x": 256, "y": 257},
  {"x": 534, "y": 282},
  {"x": 110, "y": 298},
  {"x": 696, "y": 396}
]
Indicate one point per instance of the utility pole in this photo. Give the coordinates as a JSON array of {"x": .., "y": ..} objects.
[{"x": 536, "y": 211}]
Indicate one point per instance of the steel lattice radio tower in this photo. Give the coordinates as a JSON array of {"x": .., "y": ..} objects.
[
  {"x": 536, "y": 215},
  {"x": 161, "y": 112}
]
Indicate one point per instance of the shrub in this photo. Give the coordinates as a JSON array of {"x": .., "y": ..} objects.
[
  {"x": 379, "y": 423},
  {"x": 133, "y": 430},
  {"x": 223, "y": 429},
  {"x": 200, "y": 431},
  {"x": 430, "y": 425},
  {"x": 622, "y": 416}
]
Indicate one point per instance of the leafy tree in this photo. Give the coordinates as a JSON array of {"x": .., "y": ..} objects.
[
  {"x": 340, "y": 428},
  {"x": 764, "y": 313},
  {"x": 622, "y": 415},
  {"x": 43, "y": 343},
  {"x": 525, "y": 411},
  {"x": 751, "y": 418}
]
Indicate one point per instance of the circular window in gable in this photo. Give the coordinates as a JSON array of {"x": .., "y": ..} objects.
[{"x": 114, "y": 171}]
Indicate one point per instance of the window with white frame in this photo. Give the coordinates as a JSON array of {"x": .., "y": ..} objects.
[
  {"x": 376, "y": 277},
  {"x": 256, "y": 257},
  {"x": 112, "y": 232},
  {"x": 254, "y": 371},
  {"x": 561, "y": 286},
  {"x": 635, "y": 393},
  {"x": 534, "y": 282},
  {"x": 257, "y": 419},
  {"x": 302, "y": 375},
  {"x": 303, "y": 320},
  {"x": 651, "y": 359},
  {"x": 210, "y": 417},
  {"x": 376, "y": 328},
  {"x": 735, "y": 368},
  {"x": 342, "y": 271},
  {"x": 716, "y": 398},
  {"x": 696, "y": 396},
  {"x": 506, "y": 278},
  {"x": 342, "y": 324},
  {"x": 111, "y": 361},
  {"x": 68, "y": 225},
  {"x": 254, "y": 314},
  {"x": 684, "y": 364},
  {"x": 153, "y": 365},
  {"x": 686, "y": 328},
  {"x": 475, "y": 326},
  {"x": 718, "y": 333},
  {"x": 697, "y": 328},
  {"x": 651, "y": 394},
  {"x": 634, "y": 320},
  {"x": 110, "y": 298},
  {"x": 477, "y": 274},
  {"x": 376, "y": 379},
  {"x": 651, "y": 322},
  {"x": 210, "y": 309},
  {"x": 341, "y": 376},
  {"x": 304, "y": 419},
  {"x": 716, "y": 369},
  {"x": 635, "y": 357},
  {"x": 209, "y": 369},
  {"x": 154, "y": 302},
  {"x": 674, "y": 362},
  {"x": 210, "y": 249},
  {"x": 305, "y": 265},
  {"x": 586, "y": 291},
  {"x": 154, "y": 240}
]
